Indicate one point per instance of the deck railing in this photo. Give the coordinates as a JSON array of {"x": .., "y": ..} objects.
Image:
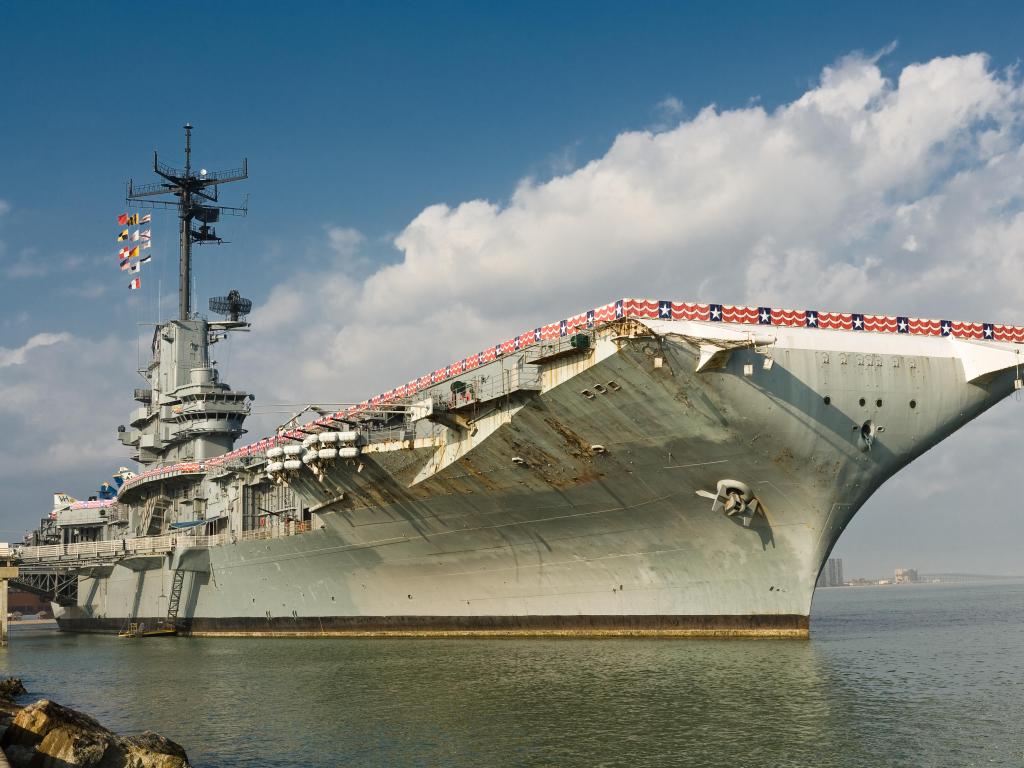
[{"x": 117, "y": 549}]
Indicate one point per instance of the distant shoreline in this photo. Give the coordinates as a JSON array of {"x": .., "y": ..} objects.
[{"x": 930, "y": 583}]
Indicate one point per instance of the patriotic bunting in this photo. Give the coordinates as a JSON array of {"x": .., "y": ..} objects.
[{"x": 640, "y": 309}]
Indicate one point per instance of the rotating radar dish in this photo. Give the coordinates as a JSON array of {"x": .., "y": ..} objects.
[{"x": 232, "y": 306}]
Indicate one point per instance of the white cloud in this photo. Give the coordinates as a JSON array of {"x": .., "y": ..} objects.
[
  {"x": 4, "y": 207},
  {"x": 56, "y": 407},
  {"x": 18, "y": 355},
  {"x": 670, "y": 106},
  {"x": 668, "y": 111},
  {"x": 344, "y": 242},
  {"x": 863, "y": 194}
]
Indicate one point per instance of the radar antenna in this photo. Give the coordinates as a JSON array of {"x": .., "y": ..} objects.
[
  {"x": 195, "y": 192},
  {"x": 232, "y": 306}
]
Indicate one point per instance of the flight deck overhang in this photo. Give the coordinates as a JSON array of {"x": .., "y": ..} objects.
[{"x": 981, "y": 359}]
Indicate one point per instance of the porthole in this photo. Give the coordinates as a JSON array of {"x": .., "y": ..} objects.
[
  {"x": 878, "y": 403},
  {"x": 913, "y": 403},
  {"x": 828, "y": 400},
  {"x": 863, "y": 401}
]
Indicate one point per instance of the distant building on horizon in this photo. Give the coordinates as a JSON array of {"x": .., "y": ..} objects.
[
  {"x": 906, "y": 576},
  {"x": 832, "y": 574}
]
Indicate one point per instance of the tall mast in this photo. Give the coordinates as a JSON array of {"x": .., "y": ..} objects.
[
  {"x": 185, "y": 237},
  {"x": 195, "y": 193}
]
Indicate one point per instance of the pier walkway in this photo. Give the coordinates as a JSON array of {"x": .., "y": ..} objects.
[{"x": 52, "y": 570}]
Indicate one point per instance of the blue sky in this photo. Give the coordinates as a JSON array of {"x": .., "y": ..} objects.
[
  {"x": 356, "y": 118},
  {"x": 363, "y": 114}
]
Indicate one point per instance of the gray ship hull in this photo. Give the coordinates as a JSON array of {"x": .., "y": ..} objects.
[{"x": 577, "y": 510}]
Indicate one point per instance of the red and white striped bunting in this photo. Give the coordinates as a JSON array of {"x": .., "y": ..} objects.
[{"x": 639, "y": 309}]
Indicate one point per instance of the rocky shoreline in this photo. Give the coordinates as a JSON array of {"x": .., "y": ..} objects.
[{"x": 45, "y": 734}]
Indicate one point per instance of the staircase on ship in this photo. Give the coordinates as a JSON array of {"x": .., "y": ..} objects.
[{"x": 169, "y": 626}]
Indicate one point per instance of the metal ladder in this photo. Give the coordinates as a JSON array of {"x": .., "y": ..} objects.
[
  {"x": 174, "y": 600},
  {"x": 153, "y": 516}
]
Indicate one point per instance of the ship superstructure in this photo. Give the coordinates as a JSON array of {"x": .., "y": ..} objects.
[
  {"x": 186, "y": 412},
  {"x": 645, "y": 467}
]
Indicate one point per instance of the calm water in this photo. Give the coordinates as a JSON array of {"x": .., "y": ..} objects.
[{"x": 916, "y": 676}]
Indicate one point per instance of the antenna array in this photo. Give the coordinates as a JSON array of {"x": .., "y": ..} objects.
[{"x": 197, "y": 201}]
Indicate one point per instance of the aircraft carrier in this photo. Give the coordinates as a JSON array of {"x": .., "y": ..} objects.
[{"x": 642, "y": 467}]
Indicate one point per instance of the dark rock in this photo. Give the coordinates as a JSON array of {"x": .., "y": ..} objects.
[
  {"x": 19, "y": 756},
  {"x": 11, "y": 687}
]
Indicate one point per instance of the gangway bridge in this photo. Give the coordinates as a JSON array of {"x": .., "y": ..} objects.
[{"x": 52, "y": 570}]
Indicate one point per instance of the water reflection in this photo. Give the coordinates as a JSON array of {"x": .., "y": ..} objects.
[{"x": 879, "y": 683}]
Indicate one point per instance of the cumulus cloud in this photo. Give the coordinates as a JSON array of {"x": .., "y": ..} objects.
[{"x": 863, "y": 194}]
